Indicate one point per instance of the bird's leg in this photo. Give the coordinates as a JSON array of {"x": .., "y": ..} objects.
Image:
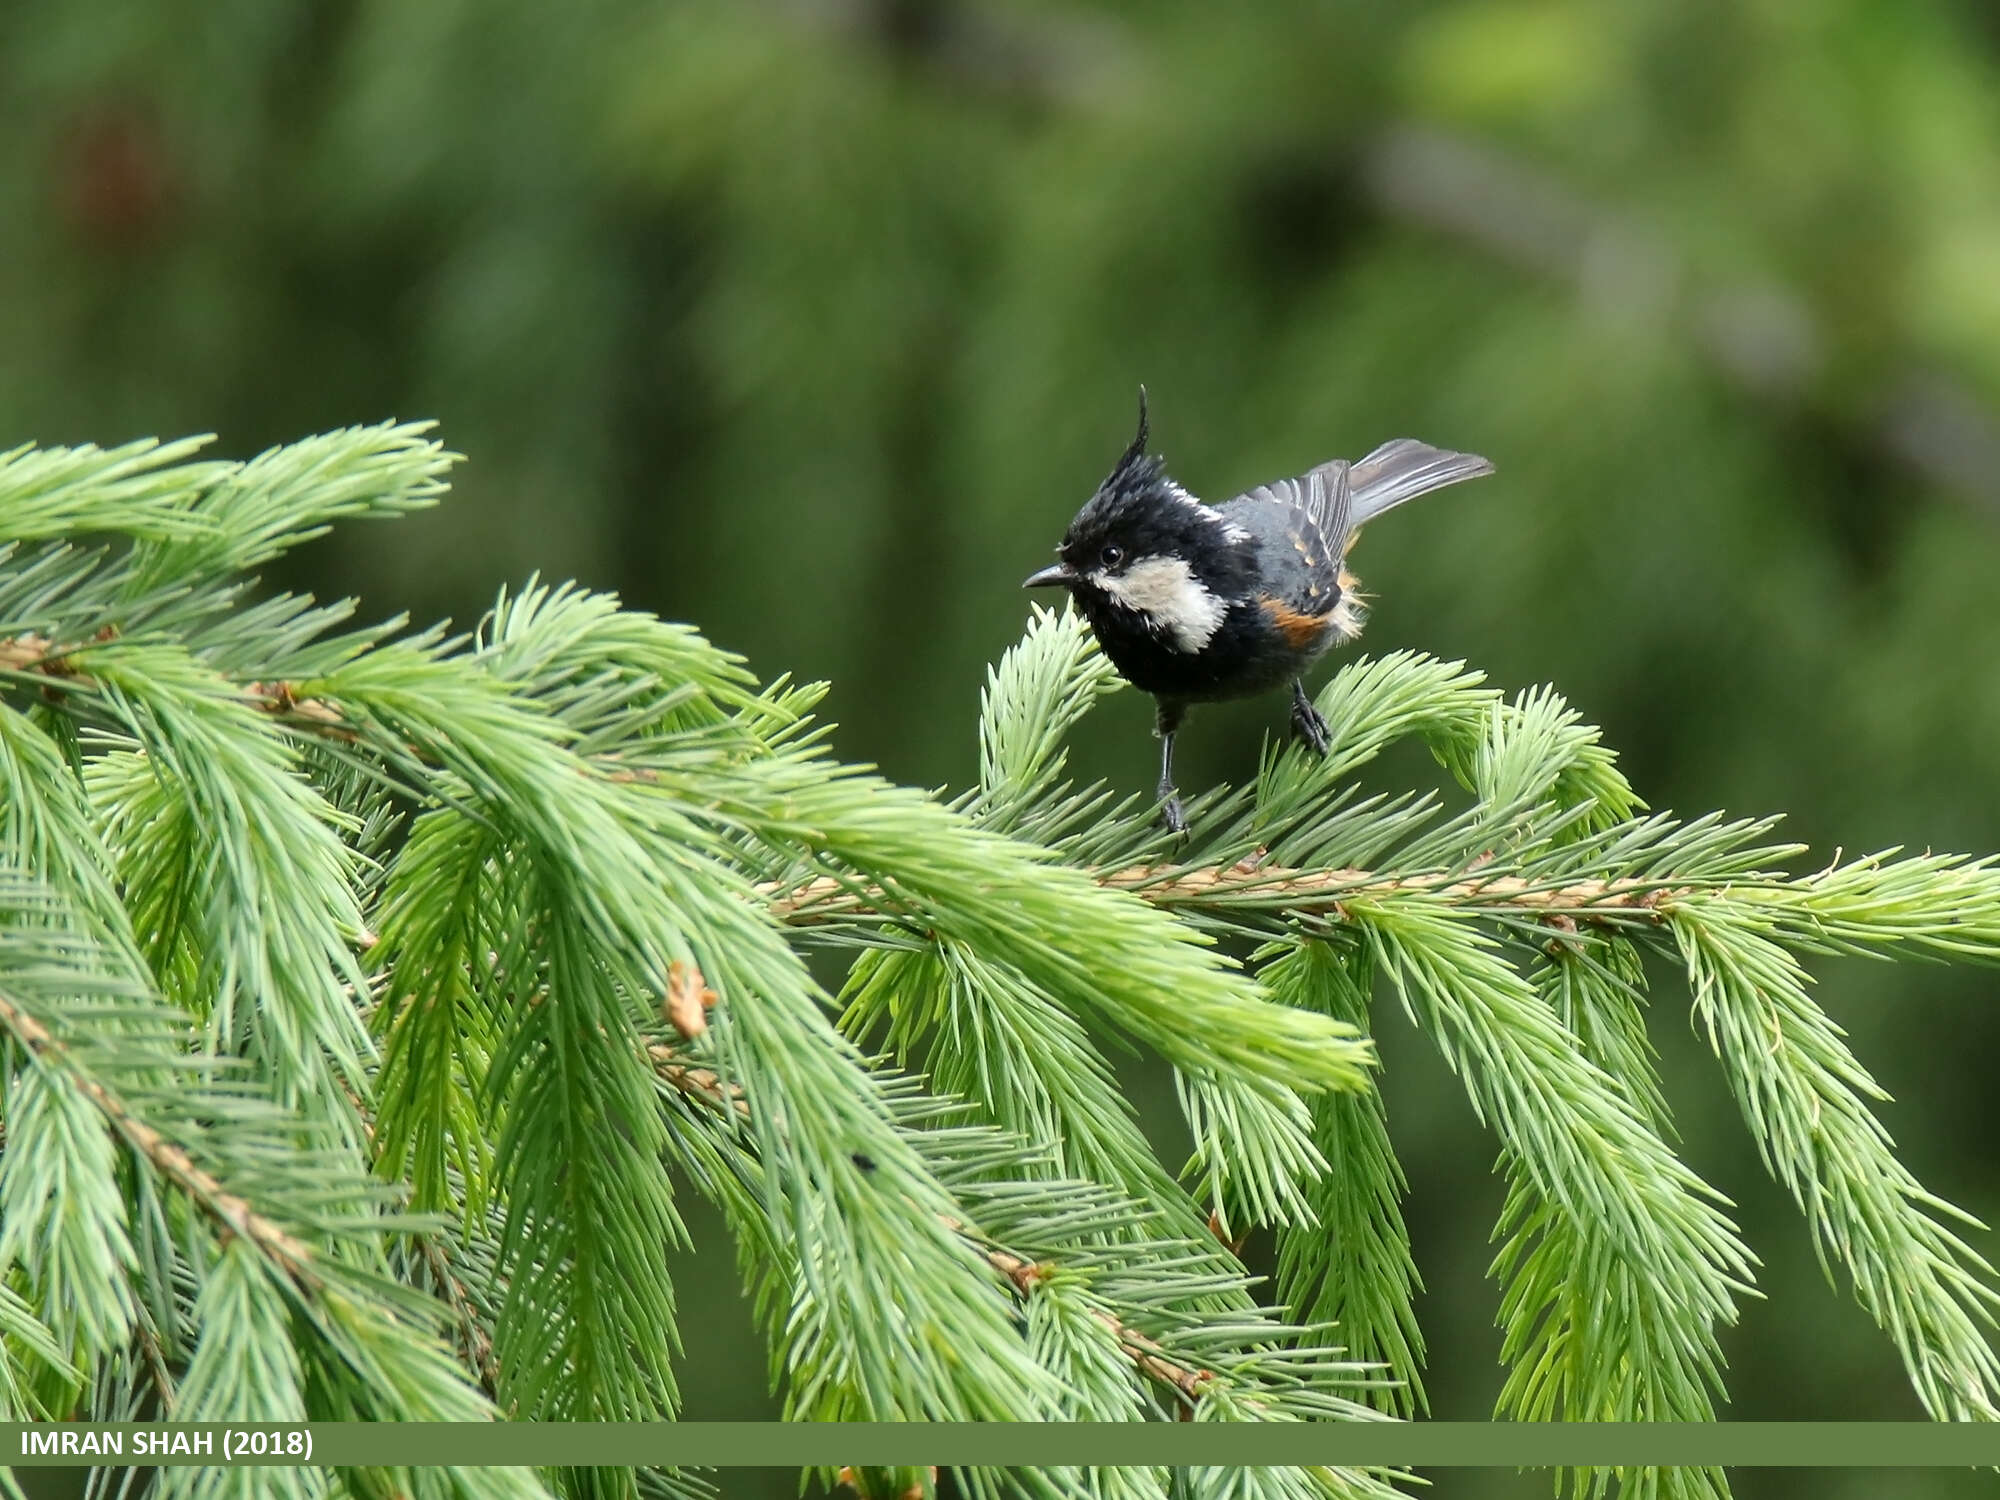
[
  {"x": 1165, "y": 724},
  {"x": 1307, "y": 722}
]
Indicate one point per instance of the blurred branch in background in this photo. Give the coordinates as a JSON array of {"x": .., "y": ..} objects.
[
  {"x": 1051, "y": 58},
  {"x": 1762, "y": 338}
]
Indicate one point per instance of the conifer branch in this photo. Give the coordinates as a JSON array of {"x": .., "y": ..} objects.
[
  {"x": 521, "y": 920},
  {"x": 1034, "y": 1277},
  {"x": 1146, "y": 1356},
  {"x": 475, "y": 1341},
  {"x": 704, "y": 1084},
  {"x": 1022, "y": 1274},
  {"x": 32, "y": 654},
  {"x": 1297, "y": 892},
  {"x": 230, "y": 1213}
]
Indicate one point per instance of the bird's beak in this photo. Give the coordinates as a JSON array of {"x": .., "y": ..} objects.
[{"x": 1055, "y": 575}]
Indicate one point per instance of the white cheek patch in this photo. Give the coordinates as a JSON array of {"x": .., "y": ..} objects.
[{"x": 1166, "y": 592}]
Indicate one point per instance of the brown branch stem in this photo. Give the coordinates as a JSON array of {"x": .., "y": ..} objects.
[
  {"x": 1306, "y": 892},
  {"x": 31, "y": 653},
  {"x": 1020, "y": 1273},
  {"x": 156, "y": 1366},
  {"x": 478, "y": 1346},
  {"x": 38, "y": 654},
  {"x": 697, "y": 1083},
  {"x": 232, "y": 1214},
  {"x": 1146, "y": 1356},
  {"x": 1303, "y": 891}
]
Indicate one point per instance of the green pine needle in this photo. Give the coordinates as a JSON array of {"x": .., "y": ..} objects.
[{"x": 370, "y": 996}]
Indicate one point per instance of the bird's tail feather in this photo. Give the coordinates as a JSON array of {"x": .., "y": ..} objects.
[{"x": 1402, "y": 470}]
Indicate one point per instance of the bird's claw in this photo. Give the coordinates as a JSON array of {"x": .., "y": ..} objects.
[
  {"x": 1172, "y": 813},
  {"x": 1309, "y": 724}
]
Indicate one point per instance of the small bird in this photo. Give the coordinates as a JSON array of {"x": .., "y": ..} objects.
[{"x": 1194, "y": 603}]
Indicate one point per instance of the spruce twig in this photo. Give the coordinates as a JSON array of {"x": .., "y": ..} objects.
[{"x": 371, "y": 997}]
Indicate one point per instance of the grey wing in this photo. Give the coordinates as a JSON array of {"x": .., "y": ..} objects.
[
  {"x": 1402, "y": 470},
  {"x": 1323, "y": 494},
  {"x": 1298, "y": 556}
]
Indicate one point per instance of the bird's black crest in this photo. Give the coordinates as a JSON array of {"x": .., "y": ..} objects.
[
  {"x": 1137, "y": 449},
  {"x": 1135, "y": 471},
  {"x": 1142, "y": 511}
]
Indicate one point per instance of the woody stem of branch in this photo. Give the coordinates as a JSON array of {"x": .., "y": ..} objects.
[
  {"x": 1306, "y": 892},
  {"x": 232, "y": 1214},
  {"x": 1022, "y": 1274}
]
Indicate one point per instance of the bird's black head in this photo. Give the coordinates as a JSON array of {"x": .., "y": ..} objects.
[{"x": 1145, "y": 554}]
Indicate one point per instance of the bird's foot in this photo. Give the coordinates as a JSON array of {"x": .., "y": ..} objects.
[
  {"x": 1309, "y": 724},
  {"x": 1172, "y": 813}
]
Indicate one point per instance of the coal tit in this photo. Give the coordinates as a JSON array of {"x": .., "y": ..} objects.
[{"x": 1194, "y": 603}]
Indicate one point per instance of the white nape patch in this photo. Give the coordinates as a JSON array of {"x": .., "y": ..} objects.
[
  {"x": 1173, "y": 600},
  {"x": 1231, "y": 532}
]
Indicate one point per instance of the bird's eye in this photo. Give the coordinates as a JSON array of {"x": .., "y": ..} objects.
[{"x": 1112, "y": 555}]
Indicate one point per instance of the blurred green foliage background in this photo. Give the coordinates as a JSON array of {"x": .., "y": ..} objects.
[{"x": 812, "y": 321}]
